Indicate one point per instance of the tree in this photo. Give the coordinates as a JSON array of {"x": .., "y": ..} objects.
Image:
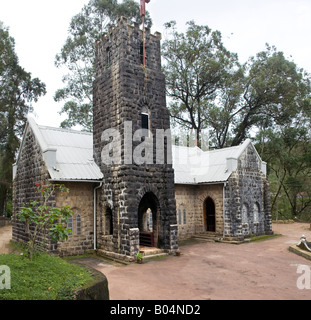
[
  {"x": 17, "y": 91},
  {"x": 40, "y": 217},
  {"x": 275, "y": 92},
  {"x": 197, "y": 67},
  {"x": 268, "y": 91},
  {"x": 288, "y": 154},
  {"x": 208, "y": 88},
  {"x": 222, "y": 114},
  {"x": 78, "y": 56}
]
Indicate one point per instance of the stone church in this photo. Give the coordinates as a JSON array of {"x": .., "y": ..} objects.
[{"x": 129, "y": 186}]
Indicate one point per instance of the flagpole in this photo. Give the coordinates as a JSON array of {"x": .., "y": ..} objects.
[
  {"x": 144, "y": 43},
  {"x": 143, "y": 13}
]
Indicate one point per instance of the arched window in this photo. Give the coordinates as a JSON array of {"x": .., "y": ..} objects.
[
  {"x": 109, "y": 222},
  {"x": 179, "y": 216},
  {"x": 184, "y": 216},
  {"x": 256, "y": 212},
  {"x": 244, "y": 213},
  {"x": 78, "y": 224},
  {"x": 70, "y": 224}
]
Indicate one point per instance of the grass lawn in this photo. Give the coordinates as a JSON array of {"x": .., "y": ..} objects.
[
  {"x": 43, "y": 278},
  {"x": 264, "y": 237}
]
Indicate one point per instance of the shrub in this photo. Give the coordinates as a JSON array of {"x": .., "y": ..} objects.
[{"x": 42, "y": 216}]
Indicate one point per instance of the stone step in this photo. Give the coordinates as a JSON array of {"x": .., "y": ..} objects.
[
  {"x": 122, "y": 259},
  {"x": 149, "y": 252},
  {"x": 207, "y": 237},
  {"x": 158, "y": 255}
]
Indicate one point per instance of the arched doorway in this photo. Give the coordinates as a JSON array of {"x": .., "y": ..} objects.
[
  {"x": 147, "y": 220},
  {"x": 209, "y": 215}
]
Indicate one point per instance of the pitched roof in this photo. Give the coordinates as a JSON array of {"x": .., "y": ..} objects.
[
  {"x": 68, "y": 155},
  {"x": 193, "y": 166}
]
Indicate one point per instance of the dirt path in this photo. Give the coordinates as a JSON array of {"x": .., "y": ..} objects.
[
  {"x": 5, "y": 237},
  {"x": 263, "y": 270}
]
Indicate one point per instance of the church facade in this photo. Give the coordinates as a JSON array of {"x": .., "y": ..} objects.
[{"x": 129, "y": 187}]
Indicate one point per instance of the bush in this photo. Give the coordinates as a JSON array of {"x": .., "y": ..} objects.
[{"x": 42, "y": 216}]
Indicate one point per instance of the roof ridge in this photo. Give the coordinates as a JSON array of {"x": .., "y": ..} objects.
[
  {"x": 65, "y": 130},
  {"x": 72, "y": 146},
  {"x": 222, "y": 149}
]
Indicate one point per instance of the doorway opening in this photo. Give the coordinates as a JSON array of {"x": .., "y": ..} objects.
[
  {"x": 147, "y": 220},
  {"x": 209, "y": 215}
]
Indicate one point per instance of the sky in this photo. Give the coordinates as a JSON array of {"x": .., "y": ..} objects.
[{"x": 40, "y": 29}]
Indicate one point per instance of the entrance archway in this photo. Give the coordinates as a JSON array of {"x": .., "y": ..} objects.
[
  {"x": 147, "y": 220},
  {"x": 209, "y": 215}
]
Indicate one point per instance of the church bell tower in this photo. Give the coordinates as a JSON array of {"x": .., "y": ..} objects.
[{"x": 132, "y": 144}]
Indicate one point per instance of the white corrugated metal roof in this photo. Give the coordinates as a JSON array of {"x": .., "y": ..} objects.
[
  {"x": 69, "y": 156},
  {"x": 192, "y": 165},
  {"x": 73, "y": 151}
]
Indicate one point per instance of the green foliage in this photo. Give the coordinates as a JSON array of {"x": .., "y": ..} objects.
[
  {"x": 197, "y": 67},
  {"x": 78, "y": 56},
  {"x": 209, "y": 88},
  {"x": 17, "y": 91},
  {"x": 139, "y": 256},
  {"x": 42, "y": 216},
  {"x": 275, "y": 93},
  {"x": 288, "y": 154},
  {"x": 42, "y": 278},
  {"x": 268, "y": 95}
]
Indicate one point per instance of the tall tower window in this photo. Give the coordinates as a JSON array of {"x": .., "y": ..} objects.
[{"x": 145, "y": 121}]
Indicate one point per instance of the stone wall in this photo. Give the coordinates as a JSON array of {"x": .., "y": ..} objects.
[
  {"x": 80, "y": 199},
  {"x": 246, "y": 210},
  {"x": 190, "y": 213},
  {"x": 30, "y": 171},
  {"x": 247, "y": 199}
]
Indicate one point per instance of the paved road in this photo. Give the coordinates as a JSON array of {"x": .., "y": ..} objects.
[{"x": 255, "y": 271}]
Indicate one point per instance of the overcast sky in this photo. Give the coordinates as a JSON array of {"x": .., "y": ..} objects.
[{"x": 40, "y": 29}]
